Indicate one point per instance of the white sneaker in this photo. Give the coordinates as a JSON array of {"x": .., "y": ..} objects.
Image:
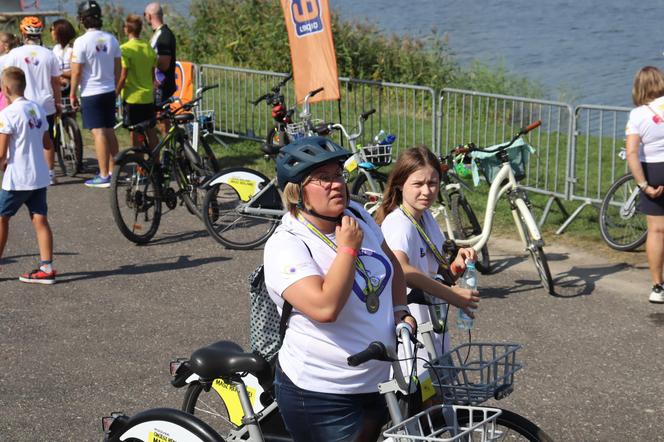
[
  {"x": 52, "y": 181},
  {"x": 657, "y": 294}
]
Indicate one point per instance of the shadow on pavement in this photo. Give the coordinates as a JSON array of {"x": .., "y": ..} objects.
[
  {"x": 657, "y": 319},
  {"x": 172, "y": 239},
  {"x": 15, "y": 258},
  {"x": 182, "y": 262},
  {"x": 581, "y": 281}
]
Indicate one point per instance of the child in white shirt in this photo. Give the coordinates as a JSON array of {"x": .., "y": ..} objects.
[{"x": 23, "y": 137}]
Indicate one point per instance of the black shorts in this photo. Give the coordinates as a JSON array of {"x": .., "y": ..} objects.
[
  {"x": 137, "y": 113},
  {"x": 654, "y": 173},
  {"x": 98, "y": 111}
]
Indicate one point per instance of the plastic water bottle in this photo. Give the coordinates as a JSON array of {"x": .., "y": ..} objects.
[
  {"x": 389, "y": 139},
  {"x": 468, "y": 281},
  {"x": 379, "y": 137}
]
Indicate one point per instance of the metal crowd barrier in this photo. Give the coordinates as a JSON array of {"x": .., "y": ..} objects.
[
  {"x": 599, "y": 134},
  {"x": 489, "y": 119},
  {"x": 406, "y": 111},
  {"x": 577, "y": 148}
]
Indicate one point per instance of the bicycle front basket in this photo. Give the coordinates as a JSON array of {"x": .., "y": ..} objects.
[
  {"x": 489, "y": 164},
  {"x": 478, "y": 424},
  {"x": 475, "y": 372},
  {"x": 379, "y": 154}
]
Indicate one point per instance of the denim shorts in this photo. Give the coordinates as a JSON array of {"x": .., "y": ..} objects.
[
  {"x": 98, "y": 111},
  {"x": 12, "y": 200},
  {"x": 312, "y": 416}
]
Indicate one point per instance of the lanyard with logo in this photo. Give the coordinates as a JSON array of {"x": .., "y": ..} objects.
[
  {"x": 372, "y": 290},
  {"x": 436, "y": 253}
]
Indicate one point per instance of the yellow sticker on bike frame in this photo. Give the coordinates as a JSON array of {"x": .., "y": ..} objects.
[
  {"x": 244, "y": 188},
  {"x": 428, "y": 390},
  {"x": 231, "y": 398},
  {"x": 156, "y": 437}
]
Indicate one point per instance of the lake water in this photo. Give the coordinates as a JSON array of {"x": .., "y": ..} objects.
[{"x": 581, "y": 51}]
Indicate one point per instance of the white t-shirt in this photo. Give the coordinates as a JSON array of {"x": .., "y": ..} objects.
[
  {"x": 402, "y": 235},
  {"x": 40, "y": 66},
  {"x": 313, "y": 354},
  {"x": 647, "y": 122},
  {"x": 63, "y": 56},
  {"x": 96, "y": 50},
  {"x": 26, "y": 123}
]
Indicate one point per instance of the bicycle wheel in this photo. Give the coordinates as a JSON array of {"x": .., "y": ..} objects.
[
  {"x": 621, "y": 224},
  {"x": 135, "y": 199},
  {"x": 361, "y": 185},
  {"x": 192, "y": 177},
  {"x": 512, "y": 426},
  {"x": 209, "y": 407},
  {"x": 467, "y": 226},
  {"x": 535, "y": 249},
  {"x": 223, "y": 209},
  {"x": 71, "y": 146}
]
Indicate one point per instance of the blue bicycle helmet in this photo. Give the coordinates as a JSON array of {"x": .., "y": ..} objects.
[{"x": 297, "y": 159}]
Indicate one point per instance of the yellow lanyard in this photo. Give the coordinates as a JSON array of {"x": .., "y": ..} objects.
[
  {"x": 436, "y": 253},
  {"x": 371, "y": 291}
]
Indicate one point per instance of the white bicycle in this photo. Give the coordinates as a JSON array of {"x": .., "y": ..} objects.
[{"x": 499, "y": 164}]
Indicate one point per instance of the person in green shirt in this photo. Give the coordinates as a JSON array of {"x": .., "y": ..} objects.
[{"x": 136, "y": 83}]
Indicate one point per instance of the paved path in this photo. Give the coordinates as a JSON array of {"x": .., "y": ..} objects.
[{"x": 100, "y": 339}]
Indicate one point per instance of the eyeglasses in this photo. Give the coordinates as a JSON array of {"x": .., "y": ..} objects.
[{"x": 325, "y": 180}]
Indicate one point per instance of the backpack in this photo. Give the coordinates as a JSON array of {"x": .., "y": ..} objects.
[{"x": 267, "y": 328}]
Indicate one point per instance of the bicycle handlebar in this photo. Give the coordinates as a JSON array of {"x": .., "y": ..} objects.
[
  {"x": 375, "y": 351},
  {"x": 367, "y": 114},
  {"x": 471, "y": 147}
]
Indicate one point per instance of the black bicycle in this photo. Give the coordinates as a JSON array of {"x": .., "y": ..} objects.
[
  {"x": 142, "y": 176},
  {"x": 68, "y": 141}
]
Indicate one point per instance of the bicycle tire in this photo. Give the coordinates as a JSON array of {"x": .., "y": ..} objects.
[
  {"x": 468, "y": 226},
  {"x": 622, "y": 228},
  {"x": 536, "y": 251},
  {"x": 57, "y": 145},
  {"x": 72, "y": 149},
  {"x": 229, "y": 227},
  {"x": 134, "y": 191},
  {"x": 513, "y": 426},
  {"x": 207, "y": 406},
  {"x": 361, "y": 184},
  {"x": 192, "y": 194}
]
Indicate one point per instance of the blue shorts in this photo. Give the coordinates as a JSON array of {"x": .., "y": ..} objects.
[
  {"x": 12, "y": 200},
  {"x": 313, "y": 416},
  {"x": 98, "y": 111}
]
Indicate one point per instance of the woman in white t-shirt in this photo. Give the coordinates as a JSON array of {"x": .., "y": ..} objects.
[
  {"x": 645, "y": 157},
  {"x": 415, "y": 237},
  {"x": 63, "y": 33},
  {"x": 346, "y": 289}
]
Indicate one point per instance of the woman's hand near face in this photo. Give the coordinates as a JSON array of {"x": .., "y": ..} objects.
[{"x": 349, "y": 233}]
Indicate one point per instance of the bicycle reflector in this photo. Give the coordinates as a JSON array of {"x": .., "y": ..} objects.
[
  {"x": 107, "y": 421},
  {"x": 175, "y": 365}
]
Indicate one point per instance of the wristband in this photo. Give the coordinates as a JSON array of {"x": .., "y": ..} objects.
[
  {"x": 642, "y": 185},
  {"x": 454, "y": 269},
  {"x": 349, "y": 250},
  {"x": 401, "y": 308}
]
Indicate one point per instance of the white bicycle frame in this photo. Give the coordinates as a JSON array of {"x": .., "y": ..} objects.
[{"x": 496, "y": 191}]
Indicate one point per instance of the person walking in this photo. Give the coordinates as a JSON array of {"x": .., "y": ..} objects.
[
  {"x": 23, "y": 137},
  {"x": 42, "y": 75},
  {"x": 95, "y": 66},
  {"x": 645, "y": 158},
  {"x": 135, "y": 85},
  {"x": 163, "y": 42}
]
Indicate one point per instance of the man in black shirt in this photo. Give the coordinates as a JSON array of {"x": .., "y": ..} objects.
[{"x": 163, "y": 42}]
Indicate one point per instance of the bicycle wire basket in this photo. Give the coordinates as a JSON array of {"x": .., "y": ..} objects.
[
  {"x": 479, "y": 425},
  {"x": 299, "y": 129},
  {"x": 489, "y": 164},
  {"x": 379, "y": 154},
  {"x": 475, "y": 372}
]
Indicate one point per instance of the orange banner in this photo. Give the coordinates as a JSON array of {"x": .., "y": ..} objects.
[
  {"x": 312, "y": 48},
  {"x": 185, "y": 76}
]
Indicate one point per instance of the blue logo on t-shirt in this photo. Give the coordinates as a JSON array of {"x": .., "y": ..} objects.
[
  {"x": 306, "y": 15},
  {"x": 378, "y": 269}
]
